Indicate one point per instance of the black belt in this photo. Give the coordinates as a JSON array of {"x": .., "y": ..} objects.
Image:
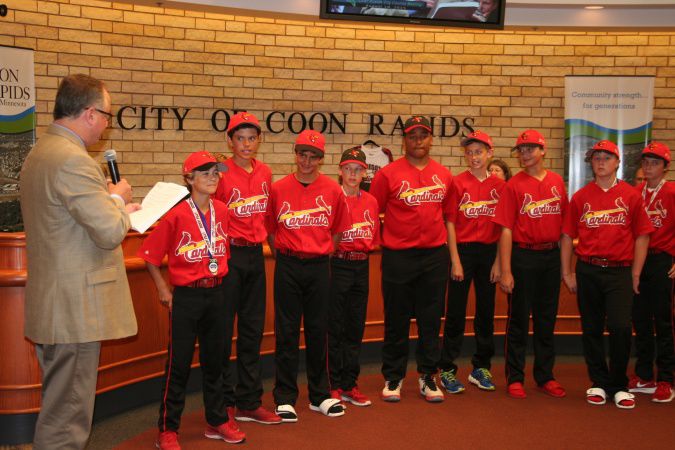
[
  {"x": 351, "y": 256},
  {"x": 604, "y": 262},
  {"x": 205, "y": 283},
  {"x": 240, "y": 242},
  {"x": 300, "y": 255},
  {"x": 539, "y": 246}
]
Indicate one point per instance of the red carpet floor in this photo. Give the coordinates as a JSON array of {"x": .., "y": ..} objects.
[{"x": 473, "y": 419}]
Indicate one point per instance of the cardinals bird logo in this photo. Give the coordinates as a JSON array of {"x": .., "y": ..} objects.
[
  {"x": 539, "y": 208},
  {"x": 614, "y": 216},
  {"x": 658, "y": 214},
  {"x": 305, "y": 217},
  {"x": 359, "y": 230},
  {"x": 246, "y": 207},
  {"x": 425, "y": 194},
  {"x": 472, "y": 210},
  {"x": 194, "y": 251}
]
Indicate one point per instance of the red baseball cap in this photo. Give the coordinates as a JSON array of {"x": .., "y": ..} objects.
[
  {"x": 530, "y": 137},
  {"x": 657, "y": 149},
  {"x": 479, "y": 136},
  {"x": 241, "y": 118},
  {"x": 310, "y": 140},
  {"x": 201, "y": 160},
  {"x": 603, "y": 146},
  {"x": 416, "y": 122}
]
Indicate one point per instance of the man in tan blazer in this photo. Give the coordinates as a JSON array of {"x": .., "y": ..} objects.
[{"x": 77, "y": 292}]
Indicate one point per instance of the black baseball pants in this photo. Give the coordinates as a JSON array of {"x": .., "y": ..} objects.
[
  {"x": 536, "y": 275},
  {"x": 346, "y": 321},
  {"x": 477, "y": 260},
  {"x": 414, "y": 283},
  {"x": 605, "y": 296},
  {"x": 198, "y": 314},
  {"x": 653, "y": 312},
  {"x": 244, "y": 290},
  {"x": 301, "y": 292}
]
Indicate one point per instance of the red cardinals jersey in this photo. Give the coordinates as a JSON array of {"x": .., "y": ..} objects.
[
  {"x": 246, "y": 195},
  {"x": 304, "y": 219},
  {"x": 661, "y": 211},
  {"x": 533, "y": 209},
  {"x": 177, "y": 235},
  {"x": 413, "y": 202},
  {"x": 606, "y": 223},
  {"x": 362, "y": 235},
  {"x": 472, "y": 207}
]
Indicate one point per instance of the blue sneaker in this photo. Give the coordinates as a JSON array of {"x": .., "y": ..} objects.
[
  {"x": 482, "y": 378},
  {"x": 450, "y": 382}
]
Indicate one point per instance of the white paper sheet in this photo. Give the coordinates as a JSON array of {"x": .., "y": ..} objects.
[{"x": 161, "y": 198}]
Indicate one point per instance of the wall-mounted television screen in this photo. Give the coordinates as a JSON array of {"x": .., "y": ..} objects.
[{"x": 448, "y": 13}]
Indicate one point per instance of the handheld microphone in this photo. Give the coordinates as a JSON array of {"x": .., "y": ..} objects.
[{"x": 111, "y": 157}]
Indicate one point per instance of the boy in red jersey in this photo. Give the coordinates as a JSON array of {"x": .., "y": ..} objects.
[
  {"x": 609, "y": 219},
  {"x": 473, "y": 249},
  {"x": 306, "y": 212},
  {"x": 194, "y": 237},
  {"x": 653, "y": 306},
  {"x": 413, "y": 193},
  {"x": 530, "y": 212},
  {"x": 350, "y": 281},
  {"x": 245, "y": 191}
]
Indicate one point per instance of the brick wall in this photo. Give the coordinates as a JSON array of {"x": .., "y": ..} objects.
[{"x": 153, "y": 56}]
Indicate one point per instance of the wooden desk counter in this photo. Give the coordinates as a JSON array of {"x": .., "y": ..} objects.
[{"x": 142, "y": 357}]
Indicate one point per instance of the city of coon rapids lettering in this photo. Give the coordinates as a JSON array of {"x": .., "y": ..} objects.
[{"x": 138, "y": 117}]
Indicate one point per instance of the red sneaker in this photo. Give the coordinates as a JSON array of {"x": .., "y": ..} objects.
[
  {"x": 336, "y": 394},
  {"x": 516, "y": 390},
  {"x": 230, "y": 414},
  {"x": 664, "y": 392},
  {"x": 226, "y": 432},
  {"x": 638, "y": 385},
  {"x": 259, "y": 415},
  {"x": 553, "y": 388},
  {"x": 356, "y": 397},
  {"x": 167, "y": 440}
]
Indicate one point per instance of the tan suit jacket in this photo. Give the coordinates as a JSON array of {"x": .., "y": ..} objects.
[{"x": 77, "y": 289}]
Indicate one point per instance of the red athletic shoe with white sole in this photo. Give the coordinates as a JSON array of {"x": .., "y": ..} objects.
[
  {"x": 638, "y": 385},
  {"x": 355, "y": 397},
  {"x": 258, "y": 415},
  {"x": 227, "y": 432}
]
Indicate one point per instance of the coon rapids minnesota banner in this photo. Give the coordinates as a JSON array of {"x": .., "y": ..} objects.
[
  {"x": 17, "y": 128},
  {"x": 606, "y": 107}
]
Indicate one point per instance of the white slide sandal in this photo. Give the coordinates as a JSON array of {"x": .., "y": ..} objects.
[
  {"x": 596, "y": 396},
  {"x": 624, "y": 400},
  {"x": 330, "y": 407}
]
